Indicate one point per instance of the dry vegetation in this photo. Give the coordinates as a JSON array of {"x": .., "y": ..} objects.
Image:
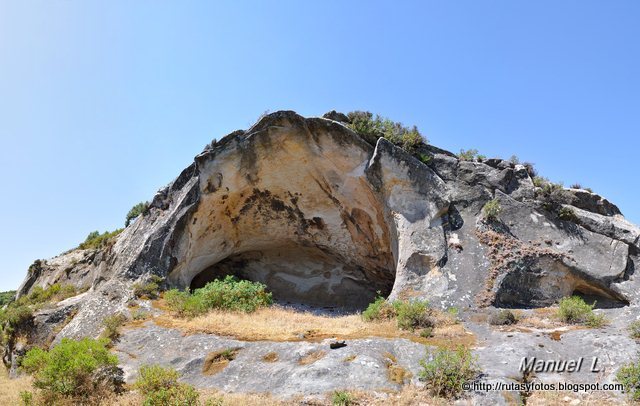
[
  {"x": 312, "y": 357},
  {"x": 282, "y": 324},
  {"x": 540, "y": 398},
  {"x": 10, "y": 388},
  {"x": 218, "y": 360}
]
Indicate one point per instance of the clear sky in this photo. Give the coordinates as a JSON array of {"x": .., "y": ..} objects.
[{"x": 102, "y": 103}]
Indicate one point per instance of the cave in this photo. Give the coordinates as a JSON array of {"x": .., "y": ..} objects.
[
  {"x": 309, "y": 276},
  {"x": 544, "y": 281}
]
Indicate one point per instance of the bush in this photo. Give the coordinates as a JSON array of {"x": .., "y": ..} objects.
[
  {"x": 424, "y": 158},
  {"x": 409, "y": 315},
  {"x": 539, "y": 181},
  {"x": 468, "y": 155},
  {"x": 78, "y": 370},
  {"x": 371, "y": 128},
  {"x": 629, "y": 376},
  {"x": 380, "y": 309},
  {"x": 447, "y": 371},
  {"x": 491, "y": 210},
  {"x": 7, "y": 297},
  {"x": 634, "y": 329},
  {"x": 160, "y": 386},
  {"x": 53, "y": 293},
  {"x": 574, "y": 310},
  {"x": 95, "y": 240},
  {"x": 112, "y": 326},
  {"x": 140, "y": 315},
  {"x": 567, "y": 214},
  {"x": 412, "y": 314},
  {"x": 341, "y": 398},
  {"x": 229, "y": 293},
  {"x": 138, "y": 209},
  {"x": 554, "y": 195},
  {"x": 148, "y": 290},
  {"x": 502, "y": 317}
]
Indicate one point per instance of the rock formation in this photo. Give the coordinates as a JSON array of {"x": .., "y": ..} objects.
[{"x": 326, "y": 218}]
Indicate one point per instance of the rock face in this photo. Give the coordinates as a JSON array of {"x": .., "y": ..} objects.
[{"x": 324, "y": 218}]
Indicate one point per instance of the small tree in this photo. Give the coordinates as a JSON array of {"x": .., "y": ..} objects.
[{"x": 138, "y": 209}]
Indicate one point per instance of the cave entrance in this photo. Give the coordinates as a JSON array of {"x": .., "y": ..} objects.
[
  {"x": 308, "y": 276},
  {"x": 544, "y": 281}
]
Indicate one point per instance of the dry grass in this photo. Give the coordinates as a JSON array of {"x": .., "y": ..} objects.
[
  {"x": 395, "y": 372},
  {"x": 543, "y": 398},
  {"x": 218, "y": 360},
  {"x": 282, "y": 324},
  {"x": 349, "y": 358},
  {"x": 10, "y": 388},
  {"x": 312, "y": 357},
  {"x": 271, "y": 357}
]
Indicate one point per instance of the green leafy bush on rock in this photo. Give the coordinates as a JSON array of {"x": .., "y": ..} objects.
[
  {"x": 229, "y": 293},
  {"x": 445, "y": 371},
  {"x": 160, "y": 387},
  {"x": 74, "y": 370},
  {"x": 574, "y": 310}
]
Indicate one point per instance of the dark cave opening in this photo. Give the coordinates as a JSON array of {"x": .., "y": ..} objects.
[
  {"x": 304, "y": 276},
  {"x": 544, "y": 282}
]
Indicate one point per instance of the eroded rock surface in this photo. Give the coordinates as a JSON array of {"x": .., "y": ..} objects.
[{"x": 325, "y": 218}]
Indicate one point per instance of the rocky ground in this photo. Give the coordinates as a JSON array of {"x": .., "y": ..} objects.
[{"x": 383, "y": 365}]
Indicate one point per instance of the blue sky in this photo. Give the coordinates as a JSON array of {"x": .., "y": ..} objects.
[{"x": 102, "y": 103}]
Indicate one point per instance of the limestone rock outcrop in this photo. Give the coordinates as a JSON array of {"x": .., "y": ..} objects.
[{"x": 324, "y": 218}]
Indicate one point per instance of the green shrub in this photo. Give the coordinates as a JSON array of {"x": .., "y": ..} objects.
[
  {"x": 7, "y": 297},
  {"x": 424, "y": 158},
  {"x": 629, "y": 376},
  {"x": 634, "y": 329},
  {"x": 447, "y": 370},
  {"x": 148, "y": 290},
  {"x": 138, "y": 209},
  {"x": 95, "y": 240},
  {"x": 412, "y": 314},
  {"x": 112, "y": 326},
  {"x": 371, "y": 128},
  {"x": 53, "y": 293},
  {"x": 229, "y": 293},
  {"x": 140, "y": 315},
  {"x": 502, "y": 318},
  {"x": 78, "y": 370},
  {"x": 341, "y": 398},
  {"x": 426, "y": 332},
  {"x": 574, "y": 310},
  {"x": 491, "y": 210},
  {"x": 26, "y": 397},
  {"x": 380, "y": 309},
  {"x": 567, "y": 214},
  {"x": 468, "y": 155},
  {"x": 160, "y": 387},
  {"x": 514, "y": 159},
  {"x": 554, "y": 195},
  {"x": 539, "y": 181},
  {"x": 409, "y": 314}
]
